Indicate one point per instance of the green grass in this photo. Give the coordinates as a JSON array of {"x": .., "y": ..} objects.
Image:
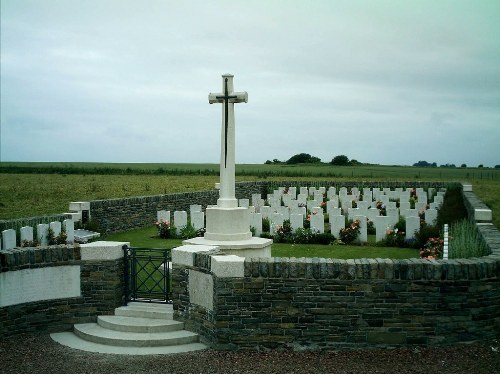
[{"x": 146, "y": 238}]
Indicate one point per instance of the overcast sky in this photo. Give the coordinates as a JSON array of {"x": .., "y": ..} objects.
[{"x": 389, "y": 82}]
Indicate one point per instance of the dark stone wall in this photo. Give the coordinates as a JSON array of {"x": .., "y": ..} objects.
[
  {"x": 101, "y": 285},
  {"x": 295, "y": 304}
]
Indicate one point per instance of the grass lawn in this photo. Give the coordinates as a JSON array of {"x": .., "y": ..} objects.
[{"x": 146, "y": 238}]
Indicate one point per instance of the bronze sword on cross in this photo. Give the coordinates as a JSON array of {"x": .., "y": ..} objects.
[{"x": 225, "y": 99}]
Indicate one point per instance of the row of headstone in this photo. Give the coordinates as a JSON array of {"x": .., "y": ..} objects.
[
  {"x": 181, "y": 218},
  {"x": 337, "y": 223},
  {"x": 9, "y": 237}
]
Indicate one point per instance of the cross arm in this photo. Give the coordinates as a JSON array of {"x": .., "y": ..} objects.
[{"x": 233, "y": 97}]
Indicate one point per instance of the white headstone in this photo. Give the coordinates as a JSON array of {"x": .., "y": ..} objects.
[
  {"x": 42, "y": 233},
  {"x": 404, "y": 205},
  {"x": 8, "y": 239},
  {"x": 318, "y": 196},
  {"x": 412, "y": 225},
  {"x": 332, "y": 191},
  {"x": 302, "y": 199},
  {"x": 382, "y": 223},
  {"x": 284, "y": 211},
  {"x": 318, "y": 222},
  {"x": 26, "y": 234},
  {"x": 163, "y": 215},
  {"x": 265, "y": 211},
  {"x": 198, "y": 220},
  {"x": 335, "y": 212},
  {"x": 244, "y": 203},
  {"x": 312, "y": 204},
  {"x": 363, "y": 232},
  {"x": 393, "y": 215},
  {"x": 276, "y": 220},
  {"x": 180, "y": 220},
  {"x": 431, "y": 216},
  {"x": 317, "y": 210},
  {"x": 304, "y": 191},
  {"x": 194, "y": 208},
  {"x": 56, "y": 228},
  {"x": 69, "y": 229},
  {"x": 299, "y": 210},
  {"x": 296, "y": 221},
  {"x": 256, "y": 223},
  {"x": 336, "y": 224},
  {"x": 420, "y": 205}
]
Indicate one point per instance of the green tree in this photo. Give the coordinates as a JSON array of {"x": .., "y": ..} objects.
[
  {"x": 303, "y": 158},
  {"x": 340, "y": 160}
]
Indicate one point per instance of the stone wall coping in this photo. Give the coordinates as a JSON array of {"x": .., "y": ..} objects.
[
  {"x": 102, "y": 250},
  {"x": 20, "y": 258},
  {"x": 184, "y": 255},
  {"x": 230, "y": 266}
]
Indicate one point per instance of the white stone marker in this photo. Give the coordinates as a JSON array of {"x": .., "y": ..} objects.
[
  {"x": 302, "y": 198},
  {"x": 42, "y": 233},
  {"x": 296, "y": 221},
  {"x": 312, "y": 204},
  {"x": 69, "y": 229},
  {"x": 256, "y": 223},
  {"x": 26, "y": 234},
  {"x": 335, "y": 212},
  {"x": 163, "y": 215},
  {"x": 257, "y": 201},
  {"x": 420, "y": 205},
  {"x": 318, "y": 197},
  {"x": 284, "y": 211},
  {"x": 8, "y": 239},
  {"x": 180, "y": 220},
  {"x": 56, "y": 228},
  {"x": 332, "y": 191},
  {"x": 336, "y": 224},
  {"x": 363, "y": 228},
  {"x": 276, "y": 220},
  {"x": 266, "y": 211},
  {"x": 393, "y": 214},
  {"x": 244, "y": 203},
  {"x": 198, "y": 220},
  {"x": 372, "y": 213},
  {"x": 304, "y": 191},
  {"x": 318, "y": 222},
  {"x": 382, "y": 223},
  {"x": 404, "y": 205},
  {"x": 412, "y": 225},
  {"x": 334, "y": 201},
  {"x": 194, "y": 208},
  {"x": 431, "y": 216}
]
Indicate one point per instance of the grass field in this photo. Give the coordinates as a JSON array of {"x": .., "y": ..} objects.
[{"x": 27, "y": 194}]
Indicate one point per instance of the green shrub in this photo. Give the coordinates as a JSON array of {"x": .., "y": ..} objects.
[{"x": 465, "y": 242}]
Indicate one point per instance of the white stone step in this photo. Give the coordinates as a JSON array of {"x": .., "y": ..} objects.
[
  {"x": 69, "y": 339},
  {"x": 145, "y": 310},
  {"x": 138, "y": 324},
  {"x": 97, "y": 334}
]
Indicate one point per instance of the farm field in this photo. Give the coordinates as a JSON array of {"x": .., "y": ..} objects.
[{"x": 26, "y": 193}]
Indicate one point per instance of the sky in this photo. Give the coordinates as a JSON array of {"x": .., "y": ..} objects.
[{"x": 386, "y": 82}]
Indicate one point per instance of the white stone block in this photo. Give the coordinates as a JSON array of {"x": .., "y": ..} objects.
[
  {"x": 332, "y": 191},
  {"x": 467, "y": 187},
  {"x": 363, "y": 228},
  {"x": 229, "y": 266},
  {"x": 404, "y": 205},
  {"x": 304, "y": 191},
  {"x": 312, "y": 204},
  {"x": 284, "y": 211},
  {"x": 183, "y": 255},
  {"x": 102, "y": 250},
  {"x": 372, "y": 213},
  {"x": 483, "y": 215},
  {"x": 265, "y": 211},
  {"x": 335, "y": 212}
]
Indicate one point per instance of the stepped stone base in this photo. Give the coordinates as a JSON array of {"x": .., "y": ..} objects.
[
  {"x": 253, "y": 247},
  {"x": 137, "y": 329}
]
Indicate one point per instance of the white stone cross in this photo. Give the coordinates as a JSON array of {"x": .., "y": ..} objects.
[{"x": 228, "y": 97}]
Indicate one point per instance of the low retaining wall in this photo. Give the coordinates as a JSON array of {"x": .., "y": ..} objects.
[
  {"x": 47, "y": 289},
  {"x": 296, "y": 304}
]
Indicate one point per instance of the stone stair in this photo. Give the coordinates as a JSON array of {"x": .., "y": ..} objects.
[{"x": 135, "y": 329}]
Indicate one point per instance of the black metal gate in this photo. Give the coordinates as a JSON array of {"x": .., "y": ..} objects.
[{"x": 147, "y": 274}]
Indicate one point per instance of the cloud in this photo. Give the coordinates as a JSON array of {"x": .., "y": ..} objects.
[{"x": 388, "y": 82}]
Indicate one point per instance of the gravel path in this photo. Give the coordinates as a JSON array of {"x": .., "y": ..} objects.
[{"x": 39, "y": 354}]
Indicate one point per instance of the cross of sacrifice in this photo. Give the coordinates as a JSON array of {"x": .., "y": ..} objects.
[{"x": 228, "y": 97}]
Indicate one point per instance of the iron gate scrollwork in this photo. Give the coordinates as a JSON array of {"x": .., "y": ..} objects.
[{"x": 147, "y": 274}]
